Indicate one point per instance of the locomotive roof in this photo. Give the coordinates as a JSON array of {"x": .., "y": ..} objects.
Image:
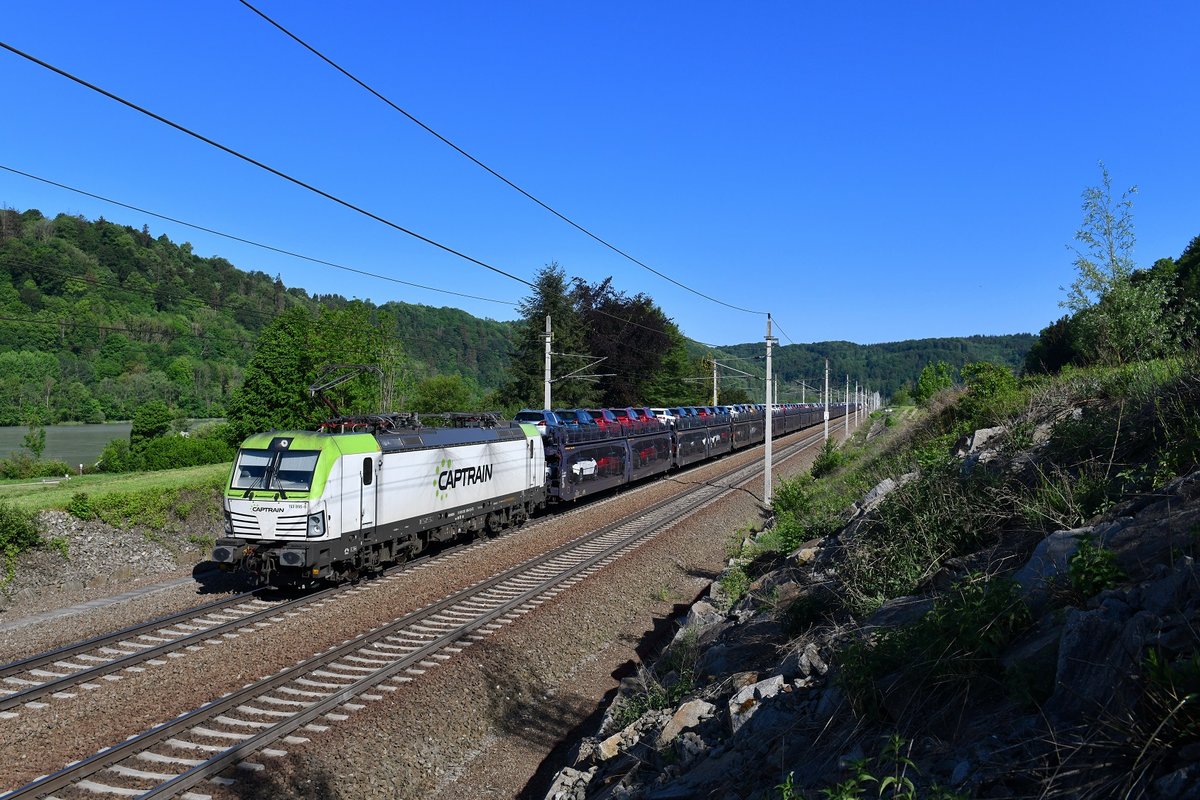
[{"x": 388, "y": 442}]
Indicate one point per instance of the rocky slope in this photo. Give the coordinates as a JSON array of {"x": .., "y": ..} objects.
[{"x": 1095, "y": 696}]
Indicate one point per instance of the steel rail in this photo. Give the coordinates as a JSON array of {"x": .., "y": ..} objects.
[
  {"x": 147, "y": 652},
  {"x": 67, "y": 651}
]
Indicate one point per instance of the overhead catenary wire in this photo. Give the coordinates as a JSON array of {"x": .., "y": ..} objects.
[
  {"x": 251, "y": 242},
  {"x": 305, "y": 185},
  {"x": 485, "y": 167},
  {"x": 255, "y": 162}
]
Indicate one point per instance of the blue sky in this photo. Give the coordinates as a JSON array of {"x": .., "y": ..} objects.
[{"x": 864, "y": 171}]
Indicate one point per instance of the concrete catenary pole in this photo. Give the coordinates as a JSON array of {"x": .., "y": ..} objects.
[
  {"x": 714, "y": 381},
  {"x": 846, "y": 413},
  {"x": 546, "y": 392},
  {"x": 825, "y": 397},
  {"x": 767, "y": 431}
]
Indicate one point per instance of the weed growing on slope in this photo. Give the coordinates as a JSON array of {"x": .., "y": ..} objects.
[
  {"x": 1092, "y": 569},
  {"x": 891, "y": 774},
  {"x": 959, "y": 640}
]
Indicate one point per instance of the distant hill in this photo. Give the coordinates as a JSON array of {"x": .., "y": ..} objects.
[
  {"x": 883, "y": 367},
  {"x": 97, "y": 318}
]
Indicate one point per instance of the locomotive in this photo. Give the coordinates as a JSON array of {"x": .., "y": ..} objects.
[{"x": 303, "y": 507}]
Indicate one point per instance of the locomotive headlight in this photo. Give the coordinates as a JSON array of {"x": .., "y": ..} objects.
[
  {"x": 316, "y": 525},
  {"x": 228, "y": 524}
]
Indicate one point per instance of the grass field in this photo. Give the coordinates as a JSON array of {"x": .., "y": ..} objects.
[{"x": 38, "y": 496}]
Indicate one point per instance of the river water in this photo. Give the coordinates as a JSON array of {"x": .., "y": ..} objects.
[{"x": 74, "y": 444}]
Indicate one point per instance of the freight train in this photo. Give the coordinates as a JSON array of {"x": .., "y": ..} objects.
[{"x": 304, "y": 507}]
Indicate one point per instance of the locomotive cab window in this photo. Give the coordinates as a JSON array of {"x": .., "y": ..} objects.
[
  {"x": 368, "y": 470},
  {"x": 274, "y": 470}
]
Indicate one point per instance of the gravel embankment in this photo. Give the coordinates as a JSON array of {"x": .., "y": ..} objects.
[{"x": 488, "y": 718}]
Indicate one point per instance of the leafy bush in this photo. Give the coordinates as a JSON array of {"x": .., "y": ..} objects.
[
  {"x": 18, "y": 533},
  {"x": 80, "y": 506},
  {"x": 153, "y": 508},
  {"x": 164, "y": 452},
  {"x": 992, "y": 394},
  {"x": 118, "y": 456},
  {"x": 23, "y": 466},
  {"x": 829, "y": 459},
  {"x": 169, "y": 452},
  {"x": 805, "y": 510},
  {"x": 734, "y": 583}
]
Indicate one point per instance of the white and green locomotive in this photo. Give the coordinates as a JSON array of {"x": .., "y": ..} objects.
[{"x": 304, "y": 506}]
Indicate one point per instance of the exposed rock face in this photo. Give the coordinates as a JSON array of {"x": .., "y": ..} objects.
[{"x": 766, "y": 705}]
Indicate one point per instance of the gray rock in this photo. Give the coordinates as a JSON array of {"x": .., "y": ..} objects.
[
  {"x": 1045, "y": 572},
  {"x": 1182, "y": 784},
  {"x": 702, "y": 614},
  {"x": 802, "y": 662},
  {"x": 570, "y": 784},
  {"x": 898, "y": 612},
  {"x": 688, "y": 715},
  {"x": 1098, "y": 651},
  {"x": 746, "y": 702}
]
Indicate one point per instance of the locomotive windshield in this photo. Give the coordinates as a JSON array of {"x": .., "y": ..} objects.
[{"x": 274, "y": 470}]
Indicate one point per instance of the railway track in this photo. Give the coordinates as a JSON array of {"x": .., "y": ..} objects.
[
  {"x": 30, "y": 681},
  {"x": 178, "y": 755}
]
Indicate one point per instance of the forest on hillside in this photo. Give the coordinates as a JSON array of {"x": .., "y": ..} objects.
[{"x": 99, "y": 319}]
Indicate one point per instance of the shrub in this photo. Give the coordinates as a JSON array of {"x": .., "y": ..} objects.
[
  {"x": 170, "y": 452},
  {"x": 992, "y": 394},
  {"x": 164, "y": 452},
  {"x": 734, "y": 584},
  {"x": 829, "y": 459},
  {"x": 80, "y": 506},
  {"x": 117, "y": 456},
  {"x": 22, "y": 466},
  {"x": 18, "y": 533}
]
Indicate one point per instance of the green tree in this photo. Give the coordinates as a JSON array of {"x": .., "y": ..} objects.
[
  {"x": 524, "y": 386},
  {"x": 934, "y": 378},
  {"x": 274, "y": 394},
  {"x": 152, "y": 419},
  {"x": 991, "y": 393},
  {"x": 444, "y": 393},
  {"x": 1054, "y": 349},
  {"x": 1117, "y": 318},
  {"x": 35, "y": 440}
]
